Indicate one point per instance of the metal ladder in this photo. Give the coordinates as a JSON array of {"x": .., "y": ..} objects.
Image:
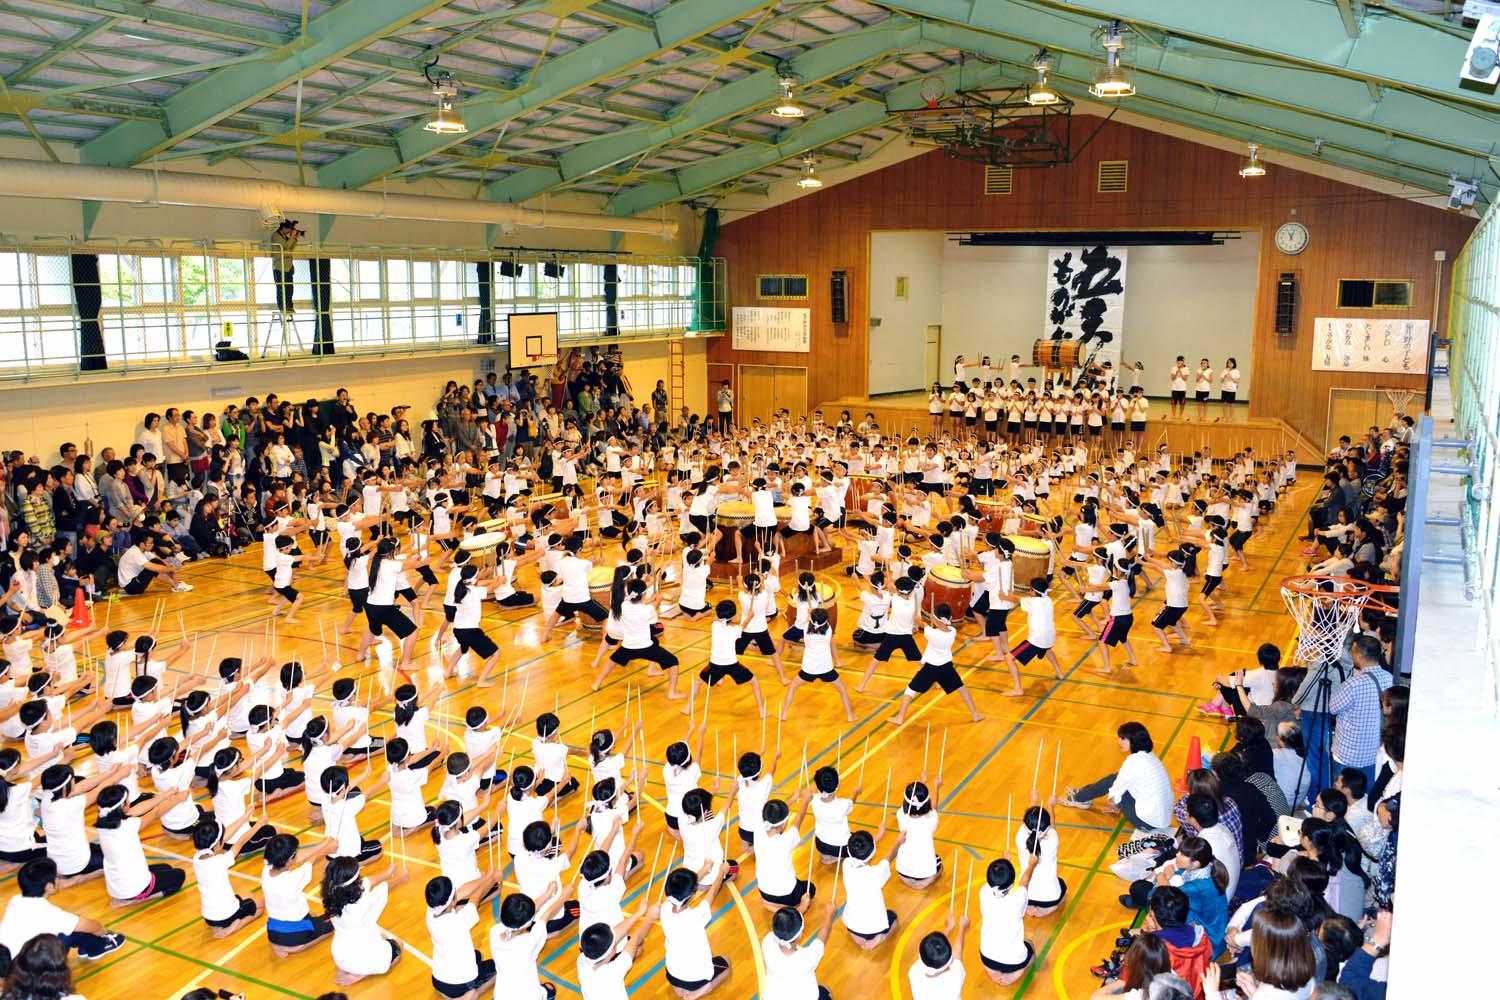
[
  {"x": 677, "y": 378},
  {"x": 285, "y": 324}
]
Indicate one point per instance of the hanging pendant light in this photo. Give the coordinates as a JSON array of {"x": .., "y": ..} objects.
[
  {"x": 809, "y": 181},
  {"x": 1252, "y": 167},
  {"x": 445, "y": 118},
  {"x": 1041, "y": 94},
  {"x": 1111, "y": 81},
  {"x": 788, "y": 107}
]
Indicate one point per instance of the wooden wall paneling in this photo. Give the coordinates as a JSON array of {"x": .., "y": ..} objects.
[{"x": 1174, "y": 184}]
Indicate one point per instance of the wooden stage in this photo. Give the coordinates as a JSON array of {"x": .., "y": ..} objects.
[
  {"x": 1224, "y": 433},
  {"x": 987, "y": 771}
]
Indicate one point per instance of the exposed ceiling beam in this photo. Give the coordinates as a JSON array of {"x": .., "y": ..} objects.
[
  {"x": 711, "y": 109},
  {"x": 1296, "y": 88},
  {"x": 1350, "y": 16},
  {"x": 34, "y": 66},
  {"x": 202, "y": 24},
  {"x": 332, "y": 35},
  {"x": 1390, "y": 49},
  {"x": 558, "y": 77},
  {"x": 818, "y": 131}
]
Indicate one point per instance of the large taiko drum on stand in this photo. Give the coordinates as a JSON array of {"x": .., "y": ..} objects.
[
  {"x": 947, "y": 585},
  {"x": 601, "y": 584},
  {"x": 1029, "y": 561},
  {"x": 481, "y": 548},
  {"x": 731, "y": 516},
  {"x": 1056, "y": 355},
  {"x": 990, "y": 514},
  {"x": 828, "y": 600}
]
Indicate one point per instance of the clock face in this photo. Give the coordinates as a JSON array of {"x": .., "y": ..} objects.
[{"x": 1291, "y": 238}]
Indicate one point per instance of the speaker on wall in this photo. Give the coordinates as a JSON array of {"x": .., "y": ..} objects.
[
  {"x": 839, "y": 292},
  {"x": 1286, "y": 303}
]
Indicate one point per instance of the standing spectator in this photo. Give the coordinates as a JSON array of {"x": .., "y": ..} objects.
[
  {"x": 1355, "y": 707},
  {"x": 174, "y": 443},
  {"x": 660, "y": 404},
  {"x": 725, "y": 400},
  {"x": 36, "y": 509},
  {"x": 198, "y": 445},
  {"x": 150, "y": 436},
  {"x": 64, "y": 503}
]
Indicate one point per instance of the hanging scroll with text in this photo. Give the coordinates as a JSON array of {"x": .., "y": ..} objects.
[
  {"x": 759, "y": 329},
  {"x": 1395, "y": 346},
  {"x": 1086, "y": 299}
]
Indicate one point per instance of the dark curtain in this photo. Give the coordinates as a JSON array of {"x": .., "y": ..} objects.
[
  {"x": 322, "y": 292},
  {"x": 708, "y": 303},
  {"x": 87, "y": 298},
  {"x": 611, "y": 300},
  {"x": 486, "y": 290}
]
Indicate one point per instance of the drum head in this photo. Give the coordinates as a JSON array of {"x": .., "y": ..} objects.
[
  {"x": 948, "y": 574},
  {"x": 601, "y": 576},
  {"x": 1027, "y": 545}
]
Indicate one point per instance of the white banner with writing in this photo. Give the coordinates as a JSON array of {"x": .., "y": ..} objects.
[
  {"x": 1086, "y": 299},
  {"x": 772, "y": 329},
  {"x": 1397, "y": 346}
]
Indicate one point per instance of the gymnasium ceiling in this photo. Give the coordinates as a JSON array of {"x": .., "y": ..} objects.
[{"x": 648, "y": 102}]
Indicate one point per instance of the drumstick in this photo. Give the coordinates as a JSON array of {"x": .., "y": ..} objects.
[
  {"x": 1008, "y": 840},
  {"x": 926, "y": 745},
  {"x": 863, "y": 759},
  {"x": 763, "y": 732},
  {"x": 885, "y": 800},
  {"x": 942, "y": 754},
  {"x": 778, "y": 723},
  {"x": 655, "y": 860},
  {"x": 953, "y": 889},
  {"x": 1037, "y": 771},
  {"x": 1056, "y": 766},
  {"x": 803, "y": 773},
  {"x": 969, "y": 889},
  {"x": 717, "y": 772},
  {"x": 838, "y": 870},
  {"x": 838, "y": 752},
  {"x": 812, "y": 855}
]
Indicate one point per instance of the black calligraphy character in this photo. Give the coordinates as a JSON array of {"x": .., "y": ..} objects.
[
  {"x": 1062, "y": 302},
  {"x": 1098, "y": 279}
]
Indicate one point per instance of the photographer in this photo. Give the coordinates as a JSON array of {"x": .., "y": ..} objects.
[{"x": 286, "y": 236}]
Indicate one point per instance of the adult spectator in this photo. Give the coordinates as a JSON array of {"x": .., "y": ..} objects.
[
  {"x": 138, "y": 568},
  {"x": 1141, "y": 788},
  {"x": 1355, "y": 707},
  {"x": 174, "y": 443}
]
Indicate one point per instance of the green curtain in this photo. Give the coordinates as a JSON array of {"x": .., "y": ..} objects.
[{"x": 708, "y": 302}]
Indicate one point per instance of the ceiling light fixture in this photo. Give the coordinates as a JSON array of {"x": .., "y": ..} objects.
[
  {"x": 1110, "y": 81},
  {"x": 788, "y": 107},
  {"x": 445, "y": 118},
  {"x": 1252, "y": 167},
  {"x": 809, "y": 181},
  {"x": 1041, "y": 94}
]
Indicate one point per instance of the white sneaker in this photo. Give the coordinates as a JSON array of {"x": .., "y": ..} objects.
[{"x": 182, "y": 588}]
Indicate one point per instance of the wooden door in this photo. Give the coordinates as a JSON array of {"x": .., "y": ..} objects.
[
  {"x": 764, "y": 389},
  {"x": 791, "y": 391}
]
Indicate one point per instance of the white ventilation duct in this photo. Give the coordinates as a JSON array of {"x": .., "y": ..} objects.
[{"x": 41, "y": 179}]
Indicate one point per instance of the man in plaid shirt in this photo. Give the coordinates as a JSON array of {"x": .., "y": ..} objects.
[{"x": 1356, "y": 708}]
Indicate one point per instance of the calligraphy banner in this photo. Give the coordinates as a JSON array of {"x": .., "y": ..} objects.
[
  {"x": 1086, "y": 299},
  {"x": 759, "y": 329},
  {"x": 1397, "y": 346}
]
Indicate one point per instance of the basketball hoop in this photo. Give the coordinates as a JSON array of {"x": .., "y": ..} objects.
[
  {"x": 1326, "y": 609},
  {"x": 1399, "y": 398}
]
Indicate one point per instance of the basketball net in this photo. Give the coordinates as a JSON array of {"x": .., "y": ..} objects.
[
  {"x": 1400, "y": 398},
  {"x": 1326, "y": 609}
]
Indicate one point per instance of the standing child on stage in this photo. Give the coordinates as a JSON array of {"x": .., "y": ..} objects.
[
  {"x": 1203, "y": 385},
  {"x": 1179, "y": 388},
  {"x": 819, "y": 663},
  {"x": 937, "y": 667}
]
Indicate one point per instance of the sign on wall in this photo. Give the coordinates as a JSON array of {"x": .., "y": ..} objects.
[
  {"x": 1398, "y": 346},
  {"x": 1086, "y": 299},
  {"x": 763, "y": 329}
]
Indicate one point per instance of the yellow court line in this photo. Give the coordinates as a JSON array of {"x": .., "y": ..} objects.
[
  {"x": 221, "y": 963},
  {"x": 1067, "y": 952}
]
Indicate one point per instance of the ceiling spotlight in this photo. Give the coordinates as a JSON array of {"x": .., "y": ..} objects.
[
  {"x": 788, "y": 107},
  {"x": 1252, "y": 167},
  {"x": 1041, "y": 94},
  {"x": 445, "y": 119},
  {"x": 809, "y": 180},
  {"x": 1110, "y": 81}
]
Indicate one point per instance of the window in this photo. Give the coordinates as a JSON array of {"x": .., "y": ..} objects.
[
  {"x": 168, "y": 305},
  {"x": 1376, "y": 293},
  {"x": 781, "y": 286}
]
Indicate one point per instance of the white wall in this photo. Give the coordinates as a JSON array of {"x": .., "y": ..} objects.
[
  {"x": 38, "y": 418},
  {"x": 1195, "y": 301},
  {"x": 898, "y": 345}
]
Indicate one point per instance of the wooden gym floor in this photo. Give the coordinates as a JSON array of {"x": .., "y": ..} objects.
[{"x": 988, "y": 771}]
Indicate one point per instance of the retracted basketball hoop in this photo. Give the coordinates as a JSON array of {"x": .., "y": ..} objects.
[
  {"x": 1399, "y": 398},
  {"x": 1326, "y": 609}
]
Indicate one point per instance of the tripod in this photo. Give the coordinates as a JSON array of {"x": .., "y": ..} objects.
[{"x": 1317, "y": 732}]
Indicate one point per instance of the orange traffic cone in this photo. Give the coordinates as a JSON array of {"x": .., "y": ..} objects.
[
  {"x": 1194, "y": 762},
  {"x": 80, "y": 617}
]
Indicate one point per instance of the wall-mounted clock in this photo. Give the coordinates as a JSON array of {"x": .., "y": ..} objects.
[{"x": 1291, "y": 238}]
